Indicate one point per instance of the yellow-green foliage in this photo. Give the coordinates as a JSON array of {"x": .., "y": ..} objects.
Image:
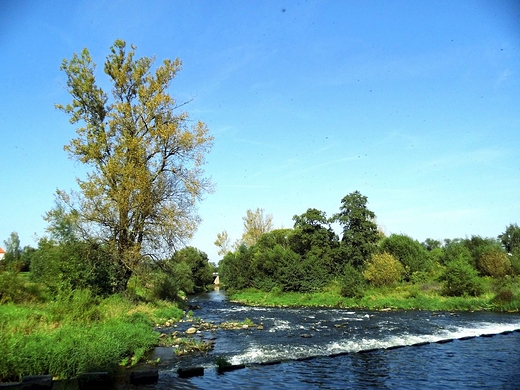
[
  {"x": 383, "y": 270},
  {"x": 494, "y": 262}
]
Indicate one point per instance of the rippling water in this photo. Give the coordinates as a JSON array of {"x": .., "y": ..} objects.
[{"x": 337, "y": 349}]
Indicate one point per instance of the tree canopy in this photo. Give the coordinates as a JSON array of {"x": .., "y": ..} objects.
[
  {"x": 145, "y": 155},
  {"x": 256, "y": 224},
  {"x": 360, "y": 232}
]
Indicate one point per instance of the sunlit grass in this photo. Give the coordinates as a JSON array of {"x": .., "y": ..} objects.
[
  {"x": 77, "y": 333},
  {"x": 403, "y": 297}
]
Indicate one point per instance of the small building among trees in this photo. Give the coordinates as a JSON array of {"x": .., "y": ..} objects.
[{"x": 2, "y": 253}]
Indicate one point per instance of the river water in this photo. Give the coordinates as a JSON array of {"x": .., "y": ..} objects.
[{"x": 305, "y": 348}]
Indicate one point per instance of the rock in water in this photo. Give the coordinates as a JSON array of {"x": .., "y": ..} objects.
[{"x": 191, "y": 330}]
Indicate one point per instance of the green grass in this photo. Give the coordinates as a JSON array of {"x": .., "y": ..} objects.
[
  {"x": 403, "y": 297},
  {"x": 77, "y": 333}
]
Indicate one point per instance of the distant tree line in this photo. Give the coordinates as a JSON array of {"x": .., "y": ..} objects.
[
  {"x": 64, "y": 262},
  {"x": 311, "y": 256}
]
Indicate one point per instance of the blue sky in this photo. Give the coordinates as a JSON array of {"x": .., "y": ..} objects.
[{"x": 416, "y": 104}]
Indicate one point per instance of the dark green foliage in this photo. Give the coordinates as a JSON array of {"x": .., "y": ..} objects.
[
  {"x": 271, "y": 263},
  {"x": 197, "y": 261},
  {"x": 505, "y": 295},
  {"x": 460, "y": 279},
  {"x": 306, "y": 258},
  {"x": 188, "y": 270},
  {"x": 360, "y": 233},
  {"x": 436, "y": 256},
  {"x": 430, "y": 244},
  {"x": 510, "y": 239},
  {"x": 455, "y": 249},
  {"x": 352, "y": 282},
  {"x": 73, "y": 265},
  {"x": 289, "y": 273},
  {"x": 16, "y": 258},
  {"x": 514, "y": 257},
  {"x": 478, "y": 245},
  {"x": 314, "y": 238},
  {"x": 235, "y": 269},
  {"x": 166, "y": 285},
  {"x": 13, "y": 251},
  {"x": 412, "y": 255}
]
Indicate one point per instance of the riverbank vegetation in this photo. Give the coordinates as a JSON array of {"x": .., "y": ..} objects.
[
  {"x": 75, "y": 332},
  {"x": 311, "y": 265},
  {"x": 61, "y": 318}
]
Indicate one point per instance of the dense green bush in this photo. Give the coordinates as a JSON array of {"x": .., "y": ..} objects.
[
  {"x": 383, "y": 270},
  {"x": 235, "y": 269},
  {"x": 200, "y": 269},
  {"x": 73, "y": 265},
  {"x": 352, "y": 283},
  {"x": 455, "y": 249},
  {"x": 494, "y": 262},
  {"x": 460, "y": 278},
  {"x": 514, "y": 257},
  {"x": 510, "y": 239},
  {"x": 477, "y": 246},
  {"x": 412, "y": 255}
]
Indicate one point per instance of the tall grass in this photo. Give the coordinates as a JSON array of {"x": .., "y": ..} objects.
[
  {"x": 404, "y": 297},
  {"x": 76, "y": 333}
]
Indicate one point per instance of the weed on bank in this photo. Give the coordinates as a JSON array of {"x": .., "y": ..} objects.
[{"x": 76, "y": 333}]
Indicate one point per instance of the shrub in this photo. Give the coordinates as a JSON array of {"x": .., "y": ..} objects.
[
  {"x": 477, "y": 246},
  {"x": 383, "y": 270},
  {"x": 201, "y": 271},
  {"x": 460, "y": 278},
  {"x": 73, "y": 265},
  {"x": 514, "y": 257},
  {"x": 510, "y": 239},
  {"x": 505, "y": 295},
  {"x": 352, "y": 283},
  {"x": 165, "y": 288},
  {"x": 494, "y": 262},
  {"x": 410, "y": 253},
  {"x": 454, "y": 250}
]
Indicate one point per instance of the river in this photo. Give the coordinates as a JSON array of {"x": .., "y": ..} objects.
[{"x": 305, "y": 348}]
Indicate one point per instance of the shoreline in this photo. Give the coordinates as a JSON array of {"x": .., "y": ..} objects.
[{"x": 422, "y": 302}]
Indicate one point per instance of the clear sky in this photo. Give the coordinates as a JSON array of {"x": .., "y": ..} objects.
[{"x": 416, "y": 104}]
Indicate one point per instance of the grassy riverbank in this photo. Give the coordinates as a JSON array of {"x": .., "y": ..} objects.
[
  {"x": 403, "y": 297},
  {"x": 77, "y": 332}
]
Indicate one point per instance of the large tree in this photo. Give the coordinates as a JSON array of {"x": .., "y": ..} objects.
[
  {"x": 510, "y": 239},
  {"x": 145, "y": 156},
  {"x": 222, "y": 243},
  {"x": 255, "y": 224},
  {"x": 13, "y": 251},
  {"x": 360, "y": 232}
]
